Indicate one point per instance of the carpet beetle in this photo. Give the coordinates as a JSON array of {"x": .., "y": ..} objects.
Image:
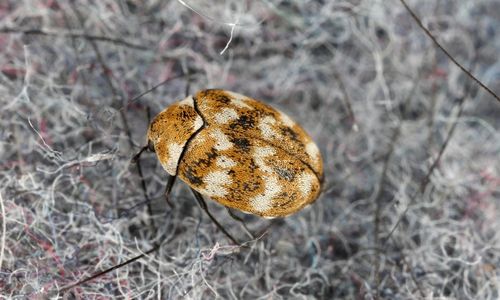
[{"x": 239, "y": 152}]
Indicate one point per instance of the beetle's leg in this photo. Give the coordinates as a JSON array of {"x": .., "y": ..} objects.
[
  {"x": 168, "y": 189},
  {"x": 273, "y": 223},
  {"x": 136, "y": 160},
  {"x": 204, "y": 206},
  {"x": 237, "y": 218},
  {"x": 136, "y": 157}
]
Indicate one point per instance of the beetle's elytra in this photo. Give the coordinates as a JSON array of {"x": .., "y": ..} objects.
[{"x": 238, "y": 151}]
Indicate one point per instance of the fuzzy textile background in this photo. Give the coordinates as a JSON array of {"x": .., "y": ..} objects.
[{"x": 411, "y": 146}]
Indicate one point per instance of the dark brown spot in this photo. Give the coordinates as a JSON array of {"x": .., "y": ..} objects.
[
  {"x": 242, "y": 144},
  {"x": 251, "y": 186},
  {"x": 244, "y": 121},
  {"x": 224, "y": 99},
  {"x": 287, "y": 131},
  {"x": 186, "y": 114},
  {"x": 252, "y": 165},
  {"x": 289, "y": 197},
  {"x": 191, "y": 177},
  {"x": 208, "y": 159},
  {"x": 288, "y": 175},
  {"x": 154, "y": 123},
  {"x": 216, "y": 95},
  {"x": 283, "y": 195},
  {"x": 286, "y": 203}
]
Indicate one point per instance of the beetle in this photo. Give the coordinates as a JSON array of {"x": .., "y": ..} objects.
[{"x": 238, "y": 151}]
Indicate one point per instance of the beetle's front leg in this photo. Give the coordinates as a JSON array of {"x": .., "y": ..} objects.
[{"x": 168, "y": 189}]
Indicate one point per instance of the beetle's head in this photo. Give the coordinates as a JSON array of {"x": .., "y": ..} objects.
[{"x": 171, "y": 129}]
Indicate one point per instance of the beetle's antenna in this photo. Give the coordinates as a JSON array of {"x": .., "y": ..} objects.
[
  {"x": 204, "y": 206},
  {"x": 69, "y": 287},
  {"x": 134, "y": 99}
]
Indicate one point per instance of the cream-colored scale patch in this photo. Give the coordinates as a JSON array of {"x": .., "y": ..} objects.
[
  {"x": 264, "y": 201},
  {"x": 260, "y": 154},
  {"x": 187, "y": 101},
  {"x": 312, "y": 150},
  {"x": 286, "y": 120},
  {"x": 238, "y": 100},
  {"x": 221, "y": 140},
  {"x": 226, "y": 116},
  {"x": 215, "y": 183},
  {"x": 198, "y": 122},
  {"x": 266, "y": 129},
  {"x": 305, "y": 181},
  {"x": 174, "y": 153},
  {"x": 225, "y": 162}
]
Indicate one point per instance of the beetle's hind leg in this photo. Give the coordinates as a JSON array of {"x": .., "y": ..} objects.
[
  {"x": 239, "y": 219},
  {"x": 204, "y": 206}
]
